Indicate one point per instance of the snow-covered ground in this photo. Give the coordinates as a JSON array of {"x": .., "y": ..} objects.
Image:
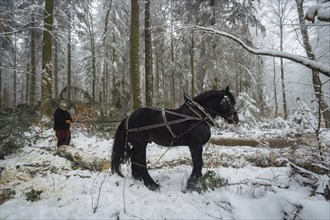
[{"x": 251, "y": 192}]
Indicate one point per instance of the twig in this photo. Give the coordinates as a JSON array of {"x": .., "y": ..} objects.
[
  {"x": 124, "y": 198},
  {"x": 99, "y": 192}
]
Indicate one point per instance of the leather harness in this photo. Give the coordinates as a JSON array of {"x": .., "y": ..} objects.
[{"x": 201, "y": 116}]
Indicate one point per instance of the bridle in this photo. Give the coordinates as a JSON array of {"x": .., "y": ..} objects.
[
  {"x": 204, "y": 110},
  {"x": 231, "y": 110}
]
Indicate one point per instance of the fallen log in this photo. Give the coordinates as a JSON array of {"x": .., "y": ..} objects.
[
  {"x": 84, "y": 159},
  {"x": 271, "y": 142}
]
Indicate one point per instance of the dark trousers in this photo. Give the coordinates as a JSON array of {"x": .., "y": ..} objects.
[
  {"x": 63, "y": 137},
  {"x": 63, "y": 141}
]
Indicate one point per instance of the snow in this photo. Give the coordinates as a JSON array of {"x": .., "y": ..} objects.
[
  {"x": 251, "y": 193},
  {"x": 320, "y": 10},
  {"x": 324, "y": 13}
]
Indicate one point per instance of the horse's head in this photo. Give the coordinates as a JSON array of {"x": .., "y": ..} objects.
[
  {"x": 221, "y": 103},
  {"x": 227, "y": 107}
]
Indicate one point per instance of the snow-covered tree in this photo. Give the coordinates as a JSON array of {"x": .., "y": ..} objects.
[
  {"x": 248, "y": 113},
  {"x": 303, "y": 116}
]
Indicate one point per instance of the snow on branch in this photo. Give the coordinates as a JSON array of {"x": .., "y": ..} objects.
[
  {"x": 324, "y": 69},
  {"x": 322, "y": 12}
]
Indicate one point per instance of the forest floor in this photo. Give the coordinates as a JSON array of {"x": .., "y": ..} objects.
[{"x": 243, "y": 183}]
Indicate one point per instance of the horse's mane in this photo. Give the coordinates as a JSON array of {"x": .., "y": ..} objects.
[{"x": 204, "y": 96}]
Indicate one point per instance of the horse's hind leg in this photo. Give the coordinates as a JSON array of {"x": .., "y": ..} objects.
[
  {"x": 135, "y": 166},
  {"x": 139, "y": 165}
]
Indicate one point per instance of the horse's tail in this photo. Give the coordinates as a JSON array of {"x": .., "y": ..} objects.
[{"x": 120, "y": 148}]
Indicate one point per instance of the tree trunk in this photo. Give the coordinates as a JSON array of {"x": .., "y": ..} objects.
[
  {"x": 84, "y": 159},
  {"x": 69, "y": 52},
  {"x": 172, "y": 75},
  {"x": 27, "y": 83},
  {"x": 275, "y": 89},
  {"x": 114, "y": 98},
  {"x": 148, "y": 56},
  {"x": 93, "y": 52},
  {"x": 46, "y": 88},
  {"x": 15, "y": 70},
  {"x": 90, "y": 32},
  {"x": 157, "y": 76},
  {"x": 134, "y": 56},
  {"x": 32, "y": 90},
  {"x": 309, "y": 51},
  {"x": 260, "y": 85},
  {"x": 172, "y": 61},
  {"x": 105, "y": 81},
  {"x": 192, "y": 64},
  {"x": 1, "y": 92},
  {"x": 69, "y": 59},
  {"x": 55, "y": 69},
  {"x": 202, "y": 60},
  {"x": 285, "y": 111}
]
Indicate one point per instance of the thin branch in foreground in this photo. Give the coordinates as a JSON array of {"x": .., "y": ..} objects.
[{"x": 94, "y": 207}]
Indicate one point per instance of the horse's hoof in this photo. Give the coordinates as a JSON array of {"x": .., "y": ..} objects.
[
  {"x": 192, "y": 185},
  {"x": 139, "y": 178},
  {"x": 153, "y": 187}
]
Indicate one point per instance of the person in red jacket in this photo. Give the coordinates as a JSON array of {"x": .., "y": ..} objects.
[{"x": 62, "y": 122}]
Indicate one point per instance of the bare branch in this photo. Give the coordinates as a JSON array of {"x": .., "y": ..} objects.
[{"x": 324, "y": 69}]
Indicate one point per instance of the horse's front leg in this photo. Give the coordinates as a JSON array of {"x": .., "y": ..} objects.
[{"x": 196, "y": 154}]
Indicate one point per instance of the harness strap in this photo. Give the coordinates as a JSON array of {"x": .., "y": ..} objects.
[
  {"x": 167, "y": 125},
  {"x": 148, "y": 127},
  {"x": 191, "y": 103}
]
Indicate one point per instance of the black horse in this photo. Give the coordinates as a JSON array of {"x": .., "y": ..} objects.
[{"x": 188, "y": 125}]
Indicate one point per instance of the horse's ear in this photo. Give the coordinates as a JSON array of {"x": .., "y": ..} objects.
[{"x": 227, "y": 90}]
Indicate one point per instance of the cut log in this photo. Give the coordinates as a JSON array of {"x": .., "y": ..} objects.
[
  {"x": 229, "y": 141},
  {"x": 271, "y": 142},
  {"x": 84, "y": 159}
]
